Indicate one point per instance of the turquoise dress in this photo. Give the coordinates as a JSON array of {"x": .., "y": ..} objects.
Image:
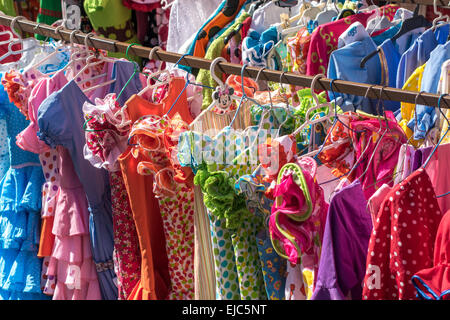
[{"x": 20, "y": 206}]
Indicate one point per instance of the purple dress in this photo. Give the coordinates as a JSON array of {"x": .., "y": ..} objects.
[
  {"x": 342, "y": 264},
  {"x": 61, "y": 120}
]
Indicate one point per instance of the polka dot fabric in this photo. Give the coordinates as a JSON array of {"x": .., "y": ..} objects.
[{"x": 402, "y": 240}]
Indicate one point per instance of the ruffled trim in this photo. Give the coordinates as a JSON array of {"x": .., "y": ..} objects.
[
  {"x": 220, "y": 197},
  {"x": 21, "y": 190}
]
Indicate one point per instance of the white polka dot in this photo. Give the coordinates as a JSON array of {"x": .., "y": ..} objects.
[
  {"x": 391, "y": 199},
  {"x": 425, "y": 244},
  {"x": 392, "y": 238},
  {"x": 399, "y": 244},
  {"x": 408, "y": 236},
  {"x": 402, "y": 284},
  {"x": 396, "y": 264},
  {"x": 419, "y": 233},
  {"x": 397, "y": 193},
  {"x": 409, "y": 251},
  {"x": 399, "y": 209},
  {"x": 384, "y": 227},
  {"x": 378, "y": 220},
  {"x": 395, "y": 253},
  {"x": 400, "y": 290},
  {"x": 395, "y": 228},
  {"x": 408, "y": 211},
  {"x": 412, "y": 204},
  {"x": 404, "y": 225},
  {"x": 374, "y": 232},
  {"x": 395, "y": 216},
  {"x": 431, "y": 205},
  {"x": 408, "y": 272},
  {"x": 377, "y": 240},
  {"x": 372, "y": 253},
  {"x": 402, "y": 188},
  {"x": 413, "y": 262},
  {"x": 392, "y": 276},
  {"x": 375, "y": 294},
  {"x": 414, "y": 222},
  {"x": 420, "y": 253},
  {"x": 428, "y": 189},
  {"x": 384, "y": 244},
  {"x": 403, "y": 261}
]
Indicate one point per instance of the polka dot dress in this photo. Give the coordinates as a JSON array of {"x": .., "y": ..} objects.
[{"x": 402, "y": 239}]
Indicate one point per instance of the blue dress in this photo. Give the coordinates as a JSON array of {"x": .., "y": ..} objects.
[
  {"x": 20, "y": 206},
  {"x": 61, "y": 119}
]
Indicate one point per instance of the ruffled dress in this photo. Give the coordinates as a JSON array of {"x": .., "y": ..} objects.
[
  {"x": 56, "y": 211},
  {"x": 106, "y": 134},
  {"x": 20, "y": 206}
]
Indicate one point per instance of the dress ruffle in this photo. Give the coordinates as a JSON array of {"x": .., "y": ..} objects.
[
  {"x": 20, "y": 202},
  {"x": 71, "y": 260}
]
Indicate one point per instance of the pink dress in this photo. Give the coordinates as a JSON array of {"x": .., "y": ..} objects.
[{"x": 54, "y": 209}]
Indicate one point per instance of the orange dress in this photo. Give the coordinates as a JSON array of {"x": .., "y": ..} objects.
[{"x": 155, "y": 280}]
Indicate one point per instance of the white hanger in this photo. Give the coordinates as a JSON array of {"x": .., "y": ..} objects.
[
  {"x": 165, "y": 4},
  {"x": 47, "y": 57},
  {"x": 155, "y": 75},
  {"x": 439, "y": 15},
  {"x": 328, "y": 14},
  {"x": 89, "y": 64},
  {"x": 74, "y": 50},
  {"x": 6, "y": 32},
  {"x": 319, "y": 105},
  {"x": 212, "y": 68},
  {"x": 19, "y": 40}
]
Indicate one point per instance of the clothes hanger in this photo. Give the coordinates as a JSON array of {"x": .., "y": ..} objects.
[
  {"x": 244, "y": 96},
  {"x": 156, "y": 75},
  {"x": 417, "y": 21},
  {"x": 90, "y": 63},
  {"x": 227, "y": 93},
  {"x": 439, "y": 14},
  {"x": 60, "y": 47},
  {"x": 328, "y": 14},
  {"x": 19, "y": 41},
  {"x": 8, "y": 33},
  {"x": 319, "y": 105},
  {"x": 380, "y": 22},
  {"x": 74, "y": 51}
]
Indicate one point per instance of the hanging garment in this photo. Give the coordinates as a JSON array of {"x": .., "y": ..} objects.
[
  {"x": 344, "y": 247},
  {"x": 402, "y": 240},
  {"x": 106, "y": 138},
  {"x": 273, "y": 266},
  {"x": 434, "y": 283},
  {"x": 61, "y": 123},
  {"x": 150, "y": 136},
  {"x": 20, "y": 205},
  {"x": 155, "y": 281},
  {"x": 419, "y": 52},
  {"x": 444, "y": 87},
  {"x": 49, "y": 12},
  {"x": 324, "y": 40}
]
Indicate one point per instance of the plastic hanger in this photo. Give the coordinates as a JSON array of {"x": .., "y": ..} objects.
[
  {"x": 328, "y": 14},
  {"x": 165, "y": 4},
  {"x": 439, "y": 14},
  {"x": 57, "y": 50},
  {"x": 221, "y": 86},
  {"x": 90, "y": 63},
  {"x": 9, "y": 33},
  {"x": 244, "y": 96},
  {"x": 74, "y": 51},
  {"x": 19, "y": 40},
  {"x": 380, "y": 22},
  {"x": 318, "y": 105},
  {"x": 156, "y": 75},
  {"x": 417, "y": 21}
]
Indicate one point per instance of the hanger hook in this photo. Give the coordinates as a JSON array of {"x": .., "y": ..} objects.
[
  {"x": 58, "y": 31},
  {"x": 212, "y": 70},
  {"x": 313, "y": 85},
  {"x": 242, "y": 79},
  {"x": 181, "y": 58},
  {"x": 72, "y": 36},
  {"x": 86, "y": 38},
  {"x": 440, "y": 110},
  {"x": 152, "y": 52},
  {"x": 128, "y": 48},
  {"x": 13, "y": 24},
  {"x": 259, "y": 73}
]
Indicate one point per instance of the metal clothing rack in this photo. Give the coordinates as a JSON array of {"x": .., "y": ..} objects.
[{"x": 341, "y": 86}]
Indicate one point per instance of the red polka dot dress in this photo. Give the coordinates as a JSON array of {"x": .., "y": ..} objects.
[{"x": 402, "y": 239}]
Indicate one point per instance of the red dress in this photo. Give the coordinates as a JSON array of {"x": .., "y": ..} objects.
[{"x": 402, "y": 240}]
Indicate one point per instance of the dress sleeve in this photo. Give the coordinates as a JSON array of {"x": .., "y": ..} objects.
[{"x": 54, "y": 126}]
